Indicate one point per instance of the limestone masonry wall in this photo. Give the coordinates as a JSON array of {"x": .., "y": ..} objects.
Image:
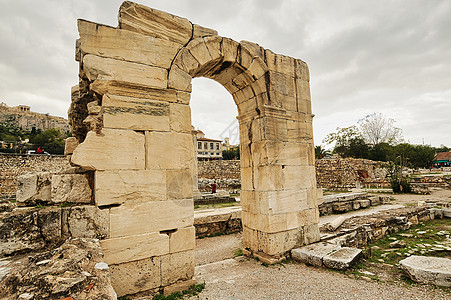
[
  {"x": 219, "y": 169},
  {"x": 13, "y": 165},
  {"x": 338, "y": 173}
]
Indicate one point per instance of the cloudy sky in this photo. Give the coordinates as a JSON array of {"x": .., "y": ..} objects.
[{"x": 392, "y": 57}]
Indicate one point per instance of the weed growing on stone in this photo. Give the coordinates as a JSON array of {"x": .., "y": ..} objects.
[
  {"x": 238, "y": 252},
  {"x": 192, "y": 291}
]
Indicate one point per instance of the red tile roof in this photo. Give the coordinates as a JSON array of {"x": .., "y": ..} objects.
[
  {"x": 208, "y": 140},
  {"x": 443, "y": 156}
]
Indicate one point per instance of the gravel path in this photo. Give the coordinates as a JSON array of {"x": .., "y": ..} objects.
[
  {"x": 244, "y": 278},
  {"x": 218, "y": 248}
]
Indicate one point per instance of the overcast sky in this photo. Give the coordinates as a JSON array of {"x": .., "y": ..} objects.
[{"x": 392, "y": 57}]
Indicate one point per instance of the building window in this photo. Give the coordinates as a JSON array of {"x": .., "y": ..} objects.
[
  {"x": 199, "y": 145},
  {"x": 211, "y": 146},
  {"x": 217, "y": 146},
  {"x": 205, "y": 145}
]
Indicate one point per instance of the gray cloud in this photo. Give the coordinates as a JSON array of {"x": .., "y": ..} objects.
[{"x": 364, "y": 56}]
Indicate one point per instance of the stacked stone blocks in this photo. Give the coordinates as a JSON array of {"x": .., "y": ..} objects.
[{"x": 134, "y": 89}]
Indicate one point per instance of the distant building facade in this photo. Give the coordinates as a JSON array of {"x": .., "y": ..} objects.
[
  {"x": 22, "y": 117},
  {"x": 208, "y": 149},
  {"x": 442, "y": 159}
]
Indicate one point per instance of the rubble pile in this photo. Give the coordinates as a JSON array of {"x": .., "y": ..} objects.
[
  {"x": 219, "y": 169},
  {"x": 75, "y": 270}
]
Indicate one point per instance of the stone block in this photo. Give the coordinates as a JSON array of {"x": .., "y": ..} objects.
[
  {"x": 200, "y": 31},
  {"x": 313, "y": 254},
  {"x": 179, "y": 79},
  {"x": 180, "y": 118},
  {"x": 229, "y": 49},
  {"x": 134, "y": 247},
  {"x": 136, "y": 276},
  {"x": 428, "y": 270},
  {"x": 33, "y": 188},
  {"x": 135, "y": 113},
  {"x": 139, "y": 218},
  {"x": 97, "y": 151},
  {"x": 302, "y": 70},
  {"x": 179, "y": 184},
  {"x": 271, "y": 223},
  {"x": 311, "y": 233},
  {"x": 177, "y": 266},
  {"x": 85, "y": 222},
  {"x": 342, "y": 259},
  {"x": 342, "y": 207},
  {"x": 156, "y": 23},
  {"x": 119, "y": 186},
  {"x": 375, "y": 200},
  {"x": 121, "y": 44},
  {"x": 162, "y": 145},
  {"x": 271, "y": 243},
  {"x": 71, "y": 188},
  {"x": 355, "y": 204},
  {"x": 96, "y": 67},
  {"x": 182, "y": 239},
  {"x": 280, "y": 63},
  {"x": 69, "y": 145},
  {"x": 200, "y": 51},
  {"x": 364, "y": 203}
]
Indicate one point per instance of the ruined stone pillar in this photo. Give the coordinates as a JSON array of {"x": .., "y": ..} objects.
[{"x": 135, "y": 85}]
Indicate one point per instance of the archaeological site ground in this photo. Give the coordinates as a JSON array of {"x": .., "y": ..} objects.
[{"x": 117, "y": 216}]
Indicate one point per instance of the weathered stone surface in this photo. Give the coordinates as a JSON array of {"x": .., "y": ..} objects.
[
  {"x": 140, "y": 218},
  {"x": 182, "y": 239},
  {"x": 19, "y": 232},
  {"x": 121, "y": 44},
  {"x": 33, "y": 188},
  {"x": 200, "y": 31},
  {"x": 135, "y": 113},
  {"x": 49, "y": 222},
  {"x": 155, "y": 23},
  {"x": 97, "y": 67},
  {"x": 428, "y": 270},
  {"x": 136, "y": 276},
  {"x": 313, "y": 254},
  {"x": 135, "y": 247},
  {"x": 271, "y": 243},
  {"x": 341, "y": 259},
  {"x": 70, "y": 144},
  {"x": 85, "y": 222},
  {"x": 119, "y": 186},
  {"x": 71, "y": 188},
  {"x": 67, "y": 271},
  {"x": 98, "y": 150},
  {"x": 180, "y": 118},
  {"x": 177, "y": 266},
  {"x": 162, "y": 145},
  {"x": 179, "y": 184}
]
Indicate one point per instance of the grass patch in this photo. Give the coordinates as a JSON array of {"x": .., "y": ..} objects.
[
  {"x": 192, "y": 291},
  {"x": 426, "y": 239},
  {"x": 238, "y": 252}
]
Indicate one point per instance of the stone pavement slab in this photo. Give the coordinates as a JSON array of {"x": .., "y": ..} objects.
[{"x": 428, "y": 270}]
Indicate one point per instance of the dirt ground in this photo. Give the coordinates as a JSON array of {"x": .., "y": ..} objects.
[{"x": 242, "y": 278}]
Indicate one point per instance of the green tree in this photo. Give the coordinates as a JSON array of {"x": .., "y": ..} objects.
[
  {"x": 51, "y": 140},
  {"x": 320, "y": 152},
  {"x": 231, "y": 154}
]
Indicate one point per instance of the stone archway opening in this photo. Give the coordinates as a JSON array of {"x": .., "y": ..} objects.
[{"x": 134, "y": 93}]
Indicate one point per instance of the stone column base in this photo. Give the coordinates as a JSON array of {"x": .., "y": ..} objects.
[{"x": 265, "y": 258}]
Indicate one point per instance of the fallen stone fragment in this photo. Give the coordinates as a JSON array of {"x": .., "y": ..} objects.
[
  {"x": 313, "y": 254},
  {"x": 342, "y": 258},
  {"x": 428, "y": 270},
  {"x": 333, "y": 225}
]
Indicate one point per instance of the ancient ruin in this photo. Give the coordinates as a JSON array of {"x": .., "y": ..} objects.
[{"x": 130, "y": 116}]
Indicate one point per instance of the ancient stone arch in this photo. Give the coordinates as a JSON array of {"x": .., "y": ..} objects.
[{"x": 130, "y": 113}]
